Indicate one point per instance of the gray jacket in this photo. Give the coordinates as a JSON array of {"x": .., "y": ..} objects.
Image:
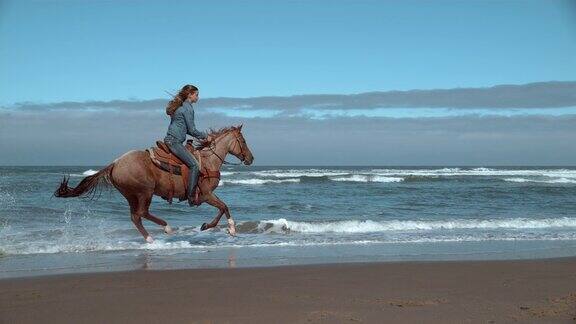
[{"x": 182, "y": 123}]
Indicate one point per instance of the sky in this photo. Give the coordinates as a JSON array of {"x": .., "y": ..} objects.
[{"x": 313, "y": 82}]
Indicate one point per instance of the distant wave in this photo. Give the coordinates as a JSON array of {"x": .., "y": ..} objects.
[
  {"x": 352, "y": 178},
  {"x": 367, "y": 178},
  {"x": 300, "y": 173},
  {"x": 553, "y": 176},
  {"x": 451, "y": 172},
  {"x": 557, "y": 180},
  {"x": 257, "y": 181}
]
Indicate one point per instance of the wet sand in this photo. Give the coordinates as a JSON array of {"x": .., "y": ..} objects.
[{"x": 531, "y": 291}]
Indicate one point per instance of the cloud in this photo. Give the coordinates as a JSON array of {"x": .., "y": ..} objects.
[
  {"x": 99, "y": 137},
  {"x": 542, "y": 95},
  {"x": 95, "y": 133}
]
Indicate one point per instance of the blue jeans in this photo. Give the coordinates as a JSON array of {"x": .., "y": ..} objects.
[{"x": 183, "y": 154}]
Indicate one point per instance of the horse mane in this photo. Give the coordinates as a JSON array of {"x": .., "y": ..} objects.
[{"x": 215, "y": 133}]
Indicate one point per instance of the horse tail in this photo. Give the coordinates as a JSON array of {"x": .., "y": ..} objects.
[{"x": 88, "y": 186}]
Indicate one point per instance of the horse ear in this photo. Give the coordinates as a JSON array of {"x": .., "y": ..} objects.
[{"x": 240, "y": 128}]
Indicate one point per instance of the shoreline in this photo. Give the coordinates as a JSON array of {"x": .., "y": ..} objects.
[
  {"x": 33, "y": 265},
  {"x": 534, "y": 290},
  {"x": 305, "y": 265}
]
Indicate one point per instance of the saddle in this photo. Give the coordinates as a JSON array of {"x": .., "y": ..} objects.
[{"x": 164, "y": 159}]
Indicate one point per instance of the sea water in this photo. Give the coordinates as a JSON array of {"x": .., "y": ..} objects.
[{"x": 294, "y": 215}]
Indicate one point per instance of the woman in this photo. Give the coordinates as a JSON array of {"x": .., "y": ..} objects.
[{"x": 182, "y": 123}]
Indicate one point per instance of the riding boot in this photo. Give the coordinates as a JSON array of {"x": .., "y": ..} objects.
[{"x": 192, "y": 182}]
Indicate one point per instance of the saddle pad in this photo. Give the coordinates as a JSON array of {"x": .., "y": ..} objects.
[{"x": 165, "y": 161}]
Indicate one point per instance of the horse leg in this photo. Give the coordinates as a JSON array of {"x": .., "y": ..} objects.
[
  {"x": 222, "y": 209},
  {"x": 152, "y": 218},
  {"x": 137, "y": 211},
  {"x": 159, "y": 221}
]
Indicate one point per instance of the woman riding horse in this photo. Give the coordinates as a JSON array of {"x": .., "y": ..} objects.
[
  {"x": 138, "y": 179},
  {"x": 182, "y": 123}
]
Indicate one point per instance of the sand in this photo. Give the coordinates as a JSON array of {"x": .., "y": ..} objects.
[{"x": 531, "y": 291}]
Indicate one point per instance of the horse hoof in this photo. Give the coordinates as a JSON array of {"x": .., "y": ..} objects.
[
  {"x": 204, "y": 227},
  {"x": 168, "y": 229},
  {"x": 149, "y": 239},
  {"x": 231, "y": 227}
]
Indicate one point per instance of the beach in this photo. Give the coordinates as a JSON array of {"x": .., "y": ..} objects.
[{"x": 522, "y": 291}]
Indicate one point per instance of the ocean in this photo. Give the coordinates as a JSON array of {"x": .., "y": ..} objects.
[{"x": 294, "y": 215}]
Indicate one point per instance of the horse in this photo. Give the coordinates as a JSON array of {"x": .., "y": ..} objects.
[{"x": 137, "y": 178}]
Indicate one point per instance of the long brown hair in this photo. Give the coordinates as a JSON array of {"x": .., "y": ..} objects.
[{"x": 179, "y": 99}]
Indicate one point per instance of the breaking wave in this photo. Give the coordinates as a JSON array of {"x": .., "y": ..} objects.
[
  {"x": 266, "y": 233},
  {"x": 283, "y": 225}
]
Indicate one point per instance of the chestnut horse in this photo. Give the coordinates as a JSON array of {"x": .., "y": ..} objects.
[{"x": 138, "y": 179}]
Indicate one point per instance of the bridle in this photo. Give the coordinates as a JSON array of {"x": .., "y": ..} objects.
[{"x": 242, "y": 155}]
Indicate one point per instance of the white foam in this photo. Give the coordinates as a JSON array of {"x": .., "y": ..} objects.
[
  {"x": 89, "y": 172},
  {"x": 367, "y": 178},
  {"x": 202, "y": 248},
  {"x": 300, "y": 173},
  {"x": 258, "y": 181},
  {"x": 450, "y": 172},
  {"x": 517, "y": 180},
  {"x": 368, "y": 226},
  {"x": 440, "y": 239},
  {"x": 556, "y": 180},
  {"x": 79, "y": 247},
  {"x": 86, "y": 173}
]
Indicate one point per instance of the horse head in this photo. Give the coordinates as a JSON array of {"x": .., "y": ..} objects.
[
  {"x": 234, "y": 141},
  {"x": 239, "y": 148}
]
